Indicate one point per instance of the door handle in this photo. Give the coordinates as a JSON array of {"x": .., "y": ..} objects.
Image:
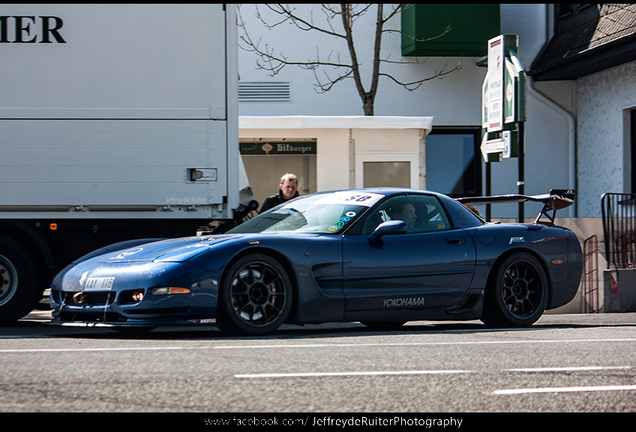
[{"x": 455, "y": 240}]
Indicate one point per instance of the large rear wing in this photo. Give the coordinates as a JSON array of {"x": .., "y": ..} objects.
[{"x": 555, "y": 200}]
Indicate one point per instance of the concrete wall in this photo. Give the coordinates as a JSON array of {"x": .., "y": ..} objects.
[{"x": 604, "y": 165}]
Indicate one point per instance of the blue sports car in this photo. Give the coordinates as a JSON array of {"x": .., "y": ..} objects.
[{"x": 378, "y": 256}]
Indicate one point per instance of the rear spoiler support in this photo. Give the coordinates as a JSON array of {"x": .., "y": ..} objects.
[{"x": 553, "y": 201}]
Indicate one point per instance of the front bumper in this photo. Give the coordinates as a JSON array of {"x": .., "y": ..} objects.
[{"x": 119, "y": 309}]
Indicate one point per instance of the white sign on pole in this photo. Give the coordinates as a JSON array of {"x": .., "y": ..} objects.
[
  {"x": 495, "y": 84},
  {"x": 507, "y": 149},
  {"x": 492, "y": 149}
]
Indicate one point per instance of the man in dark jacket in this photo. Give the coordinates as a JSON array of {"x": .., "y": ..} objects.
[{"x": 288, "y": 189}]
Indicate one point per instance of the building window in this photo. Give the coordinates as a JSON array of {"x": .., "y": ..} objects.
[
  {"x": 387, "y": 174},
  {"x": 453, "y": 161}
]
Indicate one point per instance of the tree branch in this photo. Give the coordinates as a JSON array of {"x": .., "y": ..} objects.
[{"x": 273, "y": 62}]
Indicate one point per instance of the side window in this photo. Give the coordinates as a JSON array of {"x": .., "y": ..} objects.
[{"x": 422, "y": 213}]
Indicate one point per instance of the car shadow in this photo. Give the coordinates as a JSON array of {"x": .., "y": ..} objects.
[
  {"x": 311, "y": 331},
  {"x": 38, "y": 324}
]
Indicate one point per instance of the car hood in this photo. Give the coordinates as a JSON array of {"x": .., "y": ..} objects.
[{"x": 170, "y": 250}]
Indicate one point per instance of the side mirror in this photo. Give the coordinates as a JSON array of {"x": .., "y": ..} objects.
[{"x": 389, "y": 228}]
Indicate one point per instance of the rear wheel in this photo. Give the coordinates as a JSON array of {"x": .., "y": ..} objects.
[
  {"x": 18, "y": 282},
  {"x": 519, "y": 292},
  {"x": 256, "y": 296}
]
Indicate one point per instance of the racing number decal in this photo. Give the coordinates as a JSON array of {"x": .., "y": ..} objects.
[
  {"x": 358, "y": 198},
  {"x": 366, "y": 200}
]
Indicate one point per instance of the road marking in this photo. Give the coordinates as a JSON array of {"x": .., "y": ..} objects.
[
  {"x": 419, "y": 372},
  {"x": 48, "y": 350},
  {"x": 564, "y": 390},
  {"x": 324, "y": 345},
  {"x": 349, "y": 345},
  {"x": 568, "y": 369},
  {"x": 338, "y": 374}
]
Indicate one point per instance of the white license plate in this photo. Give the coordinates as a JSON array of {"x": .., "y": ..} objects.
[{"x": 99, "y": 284}]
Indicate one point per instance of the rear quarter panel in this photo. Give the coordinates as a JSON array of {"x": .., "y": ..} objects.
[{"x": 556, "y": 248}]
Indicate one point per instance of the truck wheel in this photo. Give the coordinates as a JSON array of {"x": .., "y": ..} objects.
[
  {"x": 18, "y": 282},
  {"x": 256, "y": 296}
]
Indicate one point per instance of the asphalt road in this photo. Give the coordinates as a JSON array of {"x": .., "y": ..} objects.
[{"x": 562, "y": 364}]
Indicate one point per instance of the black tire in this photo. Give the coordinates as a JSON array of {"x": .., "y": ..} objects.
[
  {"x": 518, "y": 294},
  {"x": 256, "y": 296},
  {"x": 19, "y": 291}
]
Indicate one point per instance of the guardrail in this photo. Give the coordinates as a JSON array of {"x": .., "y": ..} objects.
[{"x": 619, "y": 229}]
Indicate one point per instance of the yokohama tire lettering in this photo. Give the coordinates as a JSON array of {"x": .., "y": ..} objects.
[{"x": 401, "y": 302}]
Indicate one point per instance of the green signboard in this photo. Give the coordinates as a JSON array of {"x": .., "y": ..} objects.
[{"x": 448, "y": 29}]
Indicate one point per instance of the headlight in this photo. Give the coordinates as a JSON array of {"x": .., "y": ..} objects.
[{"x": 169, "y": 290}]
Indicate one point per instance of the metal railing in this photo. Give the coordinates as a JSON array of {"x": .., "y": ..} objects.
[
  {"x": 590, "y": 275},
  {"x": 619, "y": 229}
]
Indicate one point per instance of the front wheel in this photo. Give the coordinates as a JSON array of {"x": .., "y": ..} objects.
[
  {"x": 256, "y": 296},
  {"x": 518, "y": 294}
]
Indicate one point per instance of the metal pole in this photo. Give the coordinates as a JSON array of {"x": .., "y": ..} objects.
[
  {"x": 522, "y": 174},
  {"x": 488, "y": 190}
]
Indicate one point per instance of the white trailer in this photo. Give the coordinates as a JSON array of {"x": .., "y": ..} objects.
[{"x": 117, "y": 122}]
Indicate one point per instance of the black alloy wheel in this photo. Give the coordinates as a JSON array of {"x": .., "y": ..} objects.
[
  {"x": 256, "y": 296},
  {"x": 518, "y": 295}
]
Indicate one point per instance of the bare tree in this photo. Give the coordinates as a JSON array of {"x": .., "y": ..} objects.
[{"x": 273, "y": 61}]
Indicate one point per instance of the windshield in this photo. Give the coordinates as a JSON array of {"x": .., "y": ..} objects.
[{"x": 328, "y": 213}]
